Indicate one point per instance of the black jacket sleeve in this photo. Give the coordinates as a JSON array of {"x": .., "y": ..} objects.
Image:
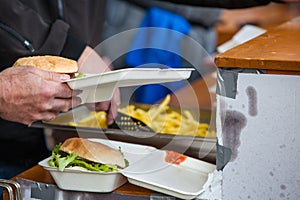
[{"x": 24, "y": 31}]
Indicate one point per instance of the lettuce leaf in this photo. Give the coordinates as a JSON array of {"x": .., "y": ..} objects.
[
  {"x": 62, "y": 160},
  {"x": 80, "y": 75}
]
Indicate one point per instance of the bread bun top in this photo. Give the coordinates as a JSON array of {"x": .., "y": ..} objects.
[
  {"x": 93, "y": 151},
  {"x": 49, "y": 63}
]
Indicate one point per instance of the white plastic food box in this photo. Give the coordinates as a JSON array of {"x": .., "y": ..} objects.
[
  {"x": 100, "y": 87},
  {"x": 147, "y": 168}
]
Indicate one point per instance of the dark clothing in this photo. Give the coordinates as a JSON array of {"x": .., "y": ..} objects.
[
  {"x": 194, "y": 14},
  {"x": 40, "y": 27},
  {"x": 223, "y": 3}
]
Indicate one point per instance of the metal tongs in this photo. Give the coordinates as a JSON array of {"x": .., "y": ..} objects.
[
  {"x": 13, "y": 188},
  {"x": 126, "y": 122}
]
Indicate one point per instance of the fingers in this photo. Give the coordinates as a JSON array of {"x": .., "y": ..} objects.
[
  {"x": 43, "y": 116},
  {"x": 51, "y": 76},
  {"x": 102, "y": 106},
  {"x": 114, "y": 106},
  {"x": 64, "y": 98},
  {"x": 111, "y": 115},
  {"x": 58, "y": 88},
  {"x": 110, "y": 106},
  {"x": 63, "y": 105},
  {"x": 105, "y": 106},
  {"x": 60, "y": 96},
  {"x": 48, "y": 116},
  {"x": 62, "y": 90},
  {"x": 36, "y": 95},
  {"x": 55, "y": 107}
]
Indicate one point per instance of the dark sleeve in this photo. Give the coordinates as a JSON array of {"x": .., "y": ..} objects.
[
  {"x": 230, "y": 4},
  {"x": 24, "y": 32},
  {"x": 73, "y": 48}
]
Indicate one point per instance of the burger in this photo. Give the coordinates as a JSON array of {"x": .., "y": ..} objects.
[
  {"x": 87, "y": 154},
  {"x": 50, "y": 63}
]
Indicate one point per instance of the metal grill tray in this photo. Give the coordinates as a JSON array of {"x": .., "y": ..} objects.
[{"x": 197, "y": 147}]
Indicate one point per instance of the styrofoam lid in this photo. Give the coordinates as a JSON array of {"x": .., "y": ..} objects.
[{"x": 245, "y": 34}]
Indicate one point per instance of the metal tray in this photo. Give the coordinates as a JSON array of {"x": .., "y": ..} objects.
[{"x": 58, "y": 130}]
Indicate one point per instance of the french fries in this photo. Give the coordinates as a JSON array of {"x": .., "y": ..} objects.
[
  {"x": 95, "y": 119},
  {"x": 162, "y": 119}
]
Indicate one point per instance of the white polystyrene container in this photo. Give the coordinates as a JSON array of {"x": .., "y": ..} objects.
[
  {"x": 100, "y": 87},
  {"x": 82, "y": 180}
]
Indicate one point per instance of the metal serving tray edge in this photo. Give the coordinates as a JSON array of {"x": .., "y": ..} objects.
[{"x": 197, "y": 147}]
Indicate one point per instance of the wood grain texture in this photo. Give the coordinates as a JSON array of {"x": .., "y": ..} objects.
[{"x": 278, "y": 49}]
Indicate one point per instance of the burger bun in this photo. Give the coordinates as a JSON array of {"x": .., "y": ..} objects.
[
  {"x": 50, "y": 63},
  {"x": 93, "y": 151}
]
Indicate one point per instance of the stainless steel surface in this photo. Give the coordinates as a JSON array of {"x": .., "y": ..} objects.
[
  {"x": 198, "y": 147},
  {"x": 39, "y": 190},
  {"x": 13, "y": 188}
]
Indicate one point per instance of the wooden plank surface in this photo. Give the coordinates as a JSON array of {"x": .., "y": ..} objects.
[{"x": 277, "y": 49}]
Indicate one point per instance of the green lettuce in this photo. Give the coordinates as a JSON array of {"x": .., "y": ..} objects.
[
  {"x": 62, "y": 160},
  {"x": 80, "y": 75}
]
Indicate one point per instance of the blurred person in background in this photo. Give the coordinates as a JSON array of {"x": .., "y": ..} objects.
[{"x": 195, "y": 22}]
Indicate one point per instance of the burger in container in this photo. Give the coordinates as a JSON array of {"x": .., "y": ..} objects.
[{"x": 92, "y": 165}]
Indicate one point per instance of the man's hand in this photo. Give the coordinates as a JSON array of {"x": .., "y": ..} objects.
[
  {"x": 28, "y": 94},
  {"x": 91, "y": 62}
]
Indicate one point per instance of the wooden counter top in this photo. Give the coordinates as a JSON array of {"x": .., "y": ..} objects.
[{"x": 276, "y": 50}]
